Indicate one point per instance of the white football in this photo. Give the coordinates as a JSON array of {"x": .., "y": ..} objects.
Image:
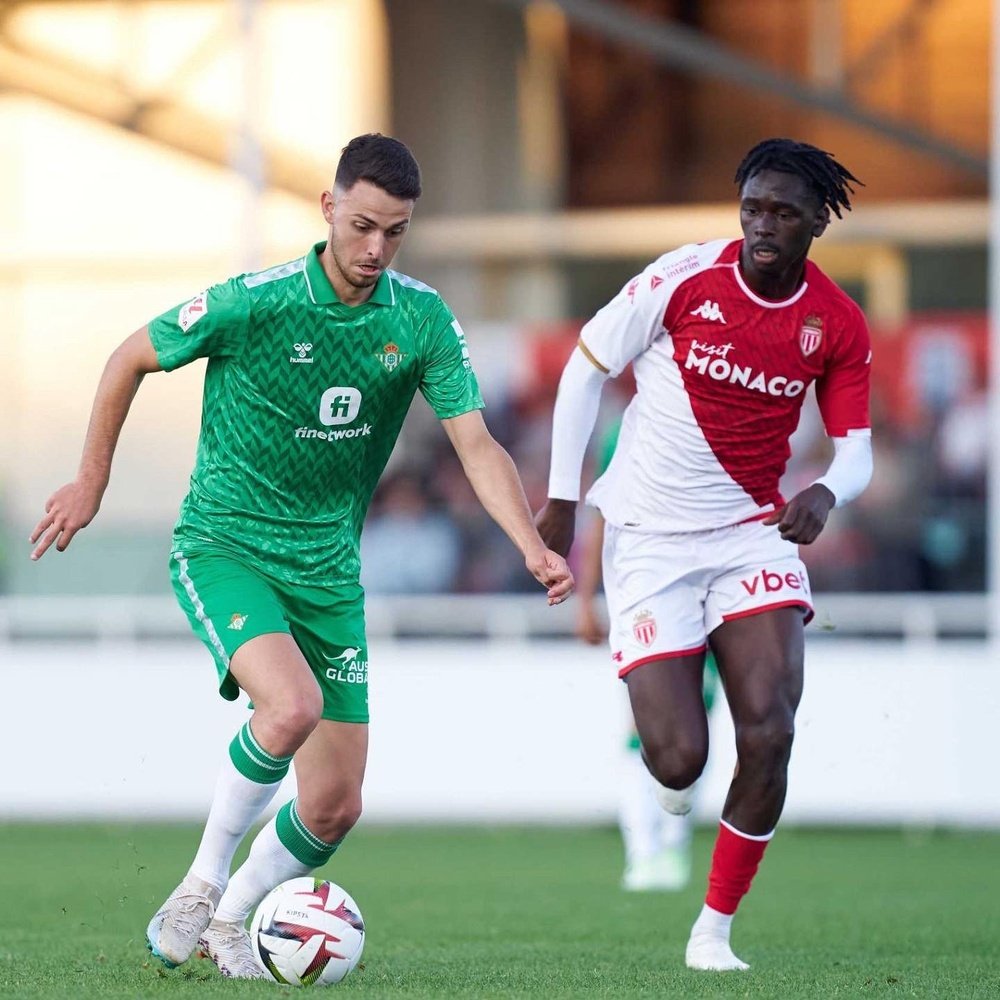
[{"x": 307, "y": 932}]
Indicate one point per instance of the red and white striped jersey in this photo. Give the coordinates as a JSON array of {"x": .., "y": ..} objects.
[{"x": 720, "y": 374}]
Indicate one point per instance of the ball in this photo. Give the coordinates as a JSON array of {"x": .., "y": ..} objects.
[{"x": 307, "y": 932}]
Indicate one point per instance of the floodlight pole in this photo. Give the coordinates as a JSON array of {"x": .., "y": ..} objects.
[
  {"x": 993, "y": 291},
  {"x": 247, "y": 153}
]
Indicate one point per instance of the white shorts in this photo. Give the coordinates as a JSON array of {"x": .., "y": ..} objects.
[{"x": 667, "y": 592}]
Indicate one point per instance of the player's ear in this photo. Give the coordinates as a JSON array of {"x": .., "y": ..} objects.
[
  {"x": 821, "y": 222},
  {"x": 327, "y": 203}
]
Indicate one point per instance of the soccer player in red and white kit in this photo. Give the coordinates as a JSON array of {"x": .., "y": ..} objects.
[{"x": 701, "y": 548}]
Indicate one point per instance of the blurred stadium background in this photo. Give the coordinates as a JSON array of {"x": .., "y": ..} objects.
[{"x": 151, "y": 148}]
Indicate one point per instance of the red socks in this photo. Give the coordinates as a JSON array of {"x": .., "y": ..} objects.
[{"x": 734, "y": 864}]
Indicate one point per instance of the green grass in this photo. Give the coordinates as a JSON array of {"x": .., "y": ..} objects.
[{"x": 527, "y": 912}]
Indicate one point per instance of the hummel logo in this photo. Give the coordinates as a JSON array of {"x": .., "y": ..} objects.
[
  {"x": 347, "y": 656},
  {"x": 303, "y": 352},
  {"x": 709, "y": 310}
]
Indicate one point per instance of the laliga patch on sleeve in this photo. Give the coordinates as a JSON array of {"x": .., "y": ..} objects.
[{"x": 193, "y": 311}]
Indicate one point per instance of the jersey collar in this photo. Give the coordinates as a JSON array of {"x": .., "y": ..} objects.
[{"x": 322, "y": 293}]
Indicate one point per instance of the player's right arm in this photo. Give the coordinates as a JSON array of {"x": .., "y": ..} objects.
[
  {"x": 623, "y": 329},
  {"x": 74, "y": 505},
  {"x": 211, "y": 325}
]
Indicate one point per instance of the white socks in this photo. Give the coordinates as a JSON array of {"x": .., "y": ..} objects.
[
  {"x": 646, "y": 829},
  {"x": 713, "y": 923},
  {"x": 269, "y": 864},
  {"x": 237, "y": 804}
]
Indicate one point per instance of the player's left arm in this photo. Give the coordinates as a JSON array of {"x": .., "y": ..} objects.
[
  {"x": 493, "y": 476},
  {"x": 843, "y": 394}
]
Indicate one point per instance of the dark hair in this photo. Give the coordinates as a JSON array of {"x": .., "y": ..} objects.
[
  {"x": 382, "y": 160},
  {"x": 827, "y": 179}
]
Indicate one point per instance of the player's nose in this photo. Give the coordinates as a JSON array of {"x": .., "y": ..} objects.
[
  {"x": 765, "y": 224},
  {"x": 375, "y": 245}
]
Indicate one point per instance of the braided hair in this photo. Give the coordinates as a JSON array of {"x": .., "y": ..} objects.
[{"x": 829, "y": 180}]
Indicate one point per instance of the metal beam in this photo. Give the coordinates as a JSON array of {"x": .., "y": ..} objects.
[
  {"x": 79, "y": 88},
  {"x": 680, "y": 47}
]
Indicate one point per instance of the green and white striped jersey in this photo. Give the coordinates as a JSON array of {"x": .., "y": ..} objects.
[{"x": 304, "y": 398}]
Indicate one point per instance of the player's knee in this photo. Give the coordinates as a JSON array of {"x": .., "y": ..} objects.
[
  {"x": 291, "y": 719},
  {"x": 675, "y": 766},
  {"x": 332, "y": 822},
  {"x": 766, "y": 745}
]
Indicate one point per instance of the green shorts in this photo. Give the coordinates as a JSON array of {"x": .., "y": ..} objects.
[{"x": 227, "y": 602}]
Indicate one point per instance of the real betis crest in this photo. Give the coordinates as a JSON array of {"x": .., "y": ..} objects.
[{"x": 390, "y": 356}]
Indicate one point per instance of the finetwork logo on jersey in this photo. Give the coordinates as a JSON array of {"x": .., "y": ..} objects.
[
  {"x": 713, "y": 362},
  {"x": 339, "y": 405},
  {"x": 709, "y": 310}
]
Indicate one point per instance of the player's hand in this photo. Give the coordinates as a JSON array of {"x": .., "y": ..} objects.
[
  {"x": 803, "y": 517},
  {"x": 589, "y": 626},
  {"x": 69, "y": 509},
  {"x": 550, "y": 569},
  {"x": 556, "y": 523}
]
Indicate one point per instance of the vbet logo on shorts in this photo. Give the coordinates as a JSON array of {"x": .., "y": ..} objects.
[
  {"x": 340, "y": 404},
  {"x": 769, "y": 582},
  {"x": 347, "y": 668}
]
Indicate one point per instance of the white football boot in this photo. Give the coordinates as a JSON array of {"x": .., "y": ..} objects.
[
  {"x": 712, "y": 953},
  {"x": 228, "y": 946},
  {"x": 667, "y": 871},
  {"x": 172, "y": 934}
]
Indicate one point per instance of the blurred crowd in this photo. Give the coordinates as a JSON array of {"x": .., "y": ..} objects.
[{"x": 920, "y": 526}]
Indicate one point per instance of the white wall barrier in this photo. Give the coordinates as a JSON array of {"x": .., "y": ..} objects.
[{"x": 888, "y": 732}]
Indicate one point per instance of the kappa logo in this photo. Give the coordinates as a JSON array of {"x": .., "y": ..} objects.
[
  {"x": 709, "y": 310},
  {"x": 237, "y": 622},
  {"x": 302, "y": 354},
  {"x": 631, "y": 290},
  {"x": 193, "y": 311}
]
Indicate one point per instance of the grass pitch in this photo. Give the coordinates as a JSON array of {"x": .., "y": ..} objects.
[{"x": 527, "y": 912}]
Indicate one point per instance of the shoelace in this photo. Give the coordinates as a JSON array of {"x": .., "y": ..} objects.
[
  {"x": 241, "y": 964},
  {"x": 185, "y": 916}
]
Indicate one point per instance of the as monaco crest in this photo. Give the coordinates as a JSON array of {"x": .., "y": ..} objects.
[
  {"x": 390, "y": 356},
  {"x": 644, "y": 627},
  {"x": 812, "y": 335}
]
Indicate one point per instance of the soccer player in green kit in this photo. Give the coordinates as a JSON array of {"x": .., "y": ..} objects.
[{"x": 312, "y": 366}]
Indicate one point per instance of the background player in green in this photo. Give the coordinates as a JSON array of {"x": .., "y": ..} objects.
[
  {"x": 312, "y": 366},
  {"x": 656, "y": 828}
]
